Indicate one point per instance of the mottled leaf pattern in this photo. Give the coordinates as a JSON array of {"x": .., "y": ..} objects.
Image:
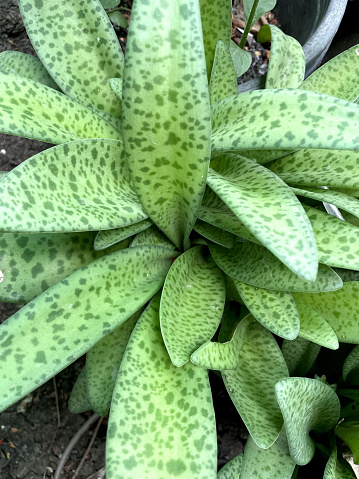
[
  {"x": 262, "y": 7},
  {"x": 191, "y": 305},
  {"x": 287, "y": 63},
  {"x": 351, "y": 363},
  {"x": 103, "y": 362},
  {"x": 152, "y": 236},
  {"x": 88, "y": 55},
  {"x": 242, "y": 59},
  {"x": 216, "y": 235},
  {"x": 269, "y": 209},
  {"x": 79, "y": 401},
  {"x": 307, "y": 405},
  {"x": 116, "y": 85},
  {"x": 275, "y": 310},
  {"x": 337, "y": 467},
  {"x": 251, "y": 384},
  {"x": 217, "y": 356},
  {"x": 167, "y": 138},
  {"x": 68, "y": 319},
  {"x": 347, "y": 275},
  {"x": 232, "y": 469},
  {"x": 253, "y": 264},
  {"x": 73, "y": 179},
  {"x": 223, "y": 81},
  {"x": 299, "y": 355},
  {"x": 341, "y": 200},
  {"x": 106, "y": 238},
  {"x": 176, "y": 435}
]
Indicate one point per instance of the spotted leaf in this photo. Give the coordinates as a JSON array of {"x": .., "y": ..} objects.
[
  {"x": 341, "y": 200},
  {"x": 152, "y": 236},
  {"x": 116, "y": 85},
  {"x": 251, "y": 384},
  {"x": 337, "y": 467},
  {"x": 307, "y": 405},
  {"x": 85, "y": 185},
  {"x": 223, "y": 81},
  {"x": 299, "y": 355},
  {"x": 351, "y": 363},
  {"x": 269, "y": 209},
  {"x": 75, "y": 41},
  {"x": 192, "y": 304},
  {"x": 79, "y": 401},
  {"x": 106, "y": 238},
  {"x": 167, "y": 133},
  {"x": 217, "y": 356},
  {"x": 242, "y": 59},
  {"x": 287, "y": 63},
  {"x": 214, "y": 234},
  {"x": 232, "y": 469},
  {"x": 103, "y": 362},
  {"x": 261, "y": 7},
  {"x": 275, "y": 310},
  {"x": 254, "y": 265},
  {"x": 65, "y": 321},
  {"x": 151, "y": 388}
]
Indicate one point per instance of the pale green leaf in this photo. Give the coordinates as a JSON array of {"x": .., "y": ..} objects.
[
  {"x": 192, "y": 304},
  {"x": 103, "y": 362},
  {"x": 2, "y": 174},
  {"x": 251, "y": 384},
  {"x": 216, "y": 235},
  {"x": 162, "y": 421},
  {"x": 26, "y": 66},
  {"x": 275, "y": 310},
  {"x": 242, "y": 59},
  {"x": 348, "y": 431},
  {"x": 82, "y": 186},
  {"x": 217, "y": 356},
  {"x": 41, "y": 113},
  {"x": 354, "y": 192},
  {"x": 255, "y": 265},
  {"x": 269, "y": 209},
  {"x": 116, "y": 85},
  {"x": 351, "y": 362},
  {"x": 167, "y": 132},
  {"x": 307, "y": 405},
  {"x": 106, "y": 238},
  {"x": 79, "y": 401},
  {"x": 287, "y": 63},
  {"x": 299, "y": 355},
  {"x": 262, "y": 7},
  {"x": 272, "y": 463},
  {"x": 280, "y": 119},
  {"x": 118, "y": 19},
  {"x": 223, "y": 81},
  {"x": 232, "y": 469},
  {"x": 152, "y": 236},
  {"x": 337, "y": 467},
  {"x": 65, "y": 321},
  {"x": 341, "y": 200},
  {"x": 78, "y": 46}
]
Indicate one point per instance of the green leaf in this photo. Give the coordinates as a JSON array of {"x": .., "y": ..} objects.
[
  {"x": 307, "y": 405},
  {"x": 347, "y": 275},
  {"x": 223, "y": 81},
  {"x": 299, "y": 355},
  {"x": 110, "y": 3},
  {"x": 31, "y": 263},
  {"x": 348, "y": 431},
  {"x": 262, "y": 7},
  {"x": 351, "y": 362},
  {"x": 152, "y": 236},
  {"x": 217, "y": 356},
  {"x": 282, "y": 121},
  {"x": 341, "y": 200},
  {"x": 167, "y": 133},
  {"x": 251, "y": 384},
  {"x": 26, "y": 66},
  {"x": 216, "y": 17},
  {"x": 242, "y": 59},
  {"x": 216, "y": 235},
  {"x": 287, "y": 63},
  {"x": 162, "y": 421},
  {"x": 118, "y": 19},
  {"x": 79, "y": 48},
  {"x": 254, "y": 265},
  {"x": 191, "y": 305},
  {"x": 337, "y": 467},
  {"x": 68, "y": 319},
  {"x": 272, "y": 463},
  {"x": 79, "y": 401},
  {"x": 339, "y": 308},
  {"x": 72, "y": 179},
  {"x": 232, "y": 469},
  {"x": 116, "y": 85},
  {"x": 28, "y": 114},
  {"x": 275, "y": 310},
  {"x": 106, "y": 238},
  {"x": 350, "y": 411},
  {"x": 103, "y": 362},
  {"x": 349, "y": 393},
  {"x": 269, "y": 209},
  {"x": 232, "y": 315}
]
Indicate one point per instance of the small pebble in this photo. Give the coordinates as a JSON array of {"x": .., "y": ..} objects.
[{"x": 3, "y": 151}]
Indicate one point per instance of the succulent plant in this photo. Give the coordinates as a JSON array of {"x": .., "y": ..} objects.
[{"x": 177, "y": 227}]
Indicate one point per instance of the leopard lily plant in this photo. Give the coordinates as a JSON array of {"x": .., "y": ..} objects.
[{"x": 153, "y": 239}]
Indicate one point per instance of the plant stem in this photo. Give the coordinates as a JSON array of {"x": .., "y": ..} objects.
[{"x": 249, "y": 24}]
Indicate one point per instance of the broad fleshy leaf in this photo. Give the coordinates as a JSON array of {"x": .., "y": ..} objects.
[
  {"x": 216, "y": 235},
  {"x": 118, "y": 19},
  {"x": 106, "y": 238},
  {"x": 167, "y": 133},
  {"x": 275, "y": 310},
  {"x": 110, "y": 3},
  {"x": 68, "y": 319},
  {"x": 79, "y": 401},
  {"x": 103, "y": 362},
  {"x": 177, "y": 434},
  {"x": 78, "y": 46},
  {"x": 337, "y": 467},
  {"x": 83, "y": 185},
  {"x": 217, "y": 356},
  {"x": 41, "y": 113},
  {"x": 348, "y": 431},
  {"x": 152, "y": 236},
  {"x": 307, "y": 405},
  {"x": 269, "y": 209},
  {"x": 232, "y": 315},
  {"x": 272, "y": 463},
  {"x": 251, "y": 384},
  {"x": 192, "y": 304},
  {"x": 232, "y": 469},
  {"x": 117, "y": 85},
  {"x": 347, "y": 275},
  {"x": 262, "y": 7},
  {"x": 255, "y": 265},
  {"x": 351, "y": 362},
  {"x": 223, "y": 81},
  {"x": 287, "y": 63},
  {"x": 341, "y": 200},
  {"x": 299, "y": 355},
  {"x": 242, "y": 59},
  {"x": 242, "y": 122},
  {"x": 26, "y": 66}
]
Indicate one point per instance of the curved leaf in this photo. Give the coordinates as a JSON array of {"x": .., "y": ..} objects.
[
  {"x": 167, "y": 133},
  {"x": 106, "y": 238},
  {"x": 337, "y": 467},
  {"x": 217, "y": 356},
  {"x": 262, "y": 7},
  {"x": 192, "y": 304},
  {"x": 78, "y": 46},
  {"x": 232, "y": 469},
  {"x": 152, "y": 236},
  {"x": 79, "y": 401},
  {"x": 216, "y": 235},
  {"x": 73, "y": 179},
  {"x": 307, "y": 405},
  {"x": 299, "y": 355},
  {"x": 223, "y": 81},
  {"x": 163, "y": 413},
  {"x": 341, "y": 200},
  {"x": 348, "y": 431},
  {"x": 242, "y": 59},
  {"x": 351, "y": 362}
]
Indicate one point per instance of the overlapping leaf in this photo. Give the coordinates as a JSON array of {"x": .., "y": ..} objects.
[
  {"x": 299, "y": 355},
  {"x": 337, "y": 467},
  {"x": 176, "y": 434},
  {"x": 242, "y": 59},
  {"x": 214, "y": 234},
  {"x": 261, "y": 7},
  {"x": 232, "y": 469},
  {"x": 223, "y": 81},
  {"x": 217, "y": 356},
  {"x": 152, "y": 236},
  {"x": 106, "y": 238},
  {"x": 348, "y": 431},
  {"x": 79, "y": 401},
  {"x": 351, "y": 363},
  {"x": 341, "y": 200}
]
